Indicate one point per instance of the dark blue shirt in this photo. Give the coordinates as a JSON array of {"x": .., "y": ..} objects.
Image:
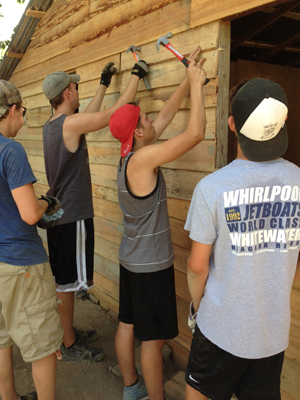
[{"x": 20, "y": 243}]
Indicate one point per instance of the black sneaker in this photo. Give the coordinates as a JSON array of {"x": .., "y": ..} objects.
[
  {"x": 29, "y": 396},
  {"x": 85, "y": 337},
  {"x": 80, "y": 352}
]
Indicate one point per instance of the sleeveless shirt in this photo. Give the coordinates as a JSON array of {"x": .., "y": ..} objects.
[
  {"x": 146, "y": 245},
  {"x": 68, "y": 173}
]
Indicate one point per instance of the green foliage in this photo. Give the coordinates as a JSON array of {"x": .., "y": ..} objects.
[{"x": 5, "y": 43}]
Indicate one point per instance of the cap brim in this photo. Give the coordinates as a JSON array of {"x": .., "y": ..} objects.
[
  {"x": 127, "y": 146},
  {"x": 264, "y": 150},
  {"x": 75, "y": 78}
]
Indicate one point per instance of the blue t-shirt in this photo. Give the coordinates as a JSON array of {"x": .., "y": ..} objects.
[{"x": 20, "y": 243}]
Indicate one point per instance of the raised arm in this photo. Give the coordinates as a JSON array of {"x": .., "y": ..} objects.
[
  {"x": 197, "y": 271},
  {"x": 108, "y": 71},
  {"x": 148, "y": 158},
  {"x": 169, "y": 110},
  {"x": 78, "y": 124}
]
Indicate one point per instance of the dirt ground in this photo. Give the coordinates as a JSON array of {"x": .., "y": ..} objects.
[{"x": 79, "y": 381}]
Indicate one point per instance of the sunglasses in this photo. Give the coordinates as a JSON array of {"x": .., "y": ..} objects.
[{"x": 24, "y": 108}]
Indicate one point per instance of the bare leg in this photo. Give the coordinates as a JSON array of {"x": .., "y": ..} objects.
[
  {"x": 124, "y": 343},
  {"x": 7, "y": 385},
  {"x": 44, "y": 377},
  {"x": 193, "y": 394},
  {"x": 66, "y": 312},
  {"x": 152, "y": 366}
]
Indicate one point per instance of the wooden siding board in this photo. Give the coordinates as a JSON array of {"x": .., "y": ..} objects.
[
  {"x": 222, "y": 110},
  {"x": 205, "y": 11}
]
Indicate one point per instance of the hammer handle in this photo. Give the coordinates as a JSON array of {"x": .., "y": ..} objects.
[{"x": 181, "y": 58}]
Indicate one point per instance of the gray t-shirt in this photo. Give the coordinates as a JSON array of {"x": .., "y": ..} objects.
[{"x": 250, "y": 212}]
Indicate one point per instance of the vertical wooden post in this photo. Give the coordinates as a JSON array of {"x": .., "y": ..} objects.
[{"x": 223, "y": 91}]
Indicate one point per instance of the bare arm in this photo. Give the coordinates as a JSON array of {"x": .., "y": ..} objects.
[
  {"x": 169, "y": 110},
  {"x": 197, "y": 271},
  {"x": 95, "y": 104},
  {"x": 30, "y": 209},
  {"x": 297, "y": 273},
  {"x": 77, "y": 124},
  {"x": 148, "y": 158}
]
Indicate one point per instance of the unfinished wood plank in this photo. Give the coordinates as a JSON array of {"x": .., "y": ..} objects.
[
  {"x": 178, "y": 208},
  {"x": 290, "y": 381},
  {"x": 41, "y": 54},
  {"x": 179, "y": 353},
  {"x": 104, "y": 175},
  {"x": 30, "y": 133},
  {"x": 181, "y": 184},
  {"x": 172, "y": 72},
  {"x": 108, "y": 210},
  {"x": 37, "y": 163},
  {"x": 205, "y": 11},
  {"x": 35, "y": 14},
  {"x": 181, "y": 284},
  {"x": 104, "y": 153},
  {"x": 200, "y": 158},
  {"x": 40, "y": 189},
  {"x": 180, "y": 121},
  {"x": 142, "y": 14},
  {"x": 106, "y": 268},
  {"x": 181, "y": 256},
  {"x": 34, "y": 148},
  {"x": 106, "y": 301},
  {"x": 222, "y": 110},
  {"x": 173, "y": 15},
  {"x": 105, "y": 193},
  {"x": 107, "y": 249},
  {"x": 107, "y": 286},
  {"x": 14, "y": 55},
  {"x": 108, "y": 230},
  {"x": 38, "y": 116},
  {"x": 293, "y": 351},
  {"x": 185, "y": 42},
  {"x": 180, "y": 237}
]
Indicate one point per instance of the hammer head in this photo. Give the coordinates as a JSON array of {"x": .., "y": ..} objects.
[
  {"x": 133, "y": 49},
  {"x": 163, "y": 40}
]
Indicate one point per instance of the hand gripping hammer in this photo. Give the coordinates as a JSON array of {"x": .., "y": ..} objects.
[
  {"x": 134, "y": 51},
  {"x": 163, "y": 40}
]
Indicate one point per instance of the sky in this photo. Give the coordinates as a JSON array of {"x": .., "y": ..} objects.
[{"x": 12, "y": 12}]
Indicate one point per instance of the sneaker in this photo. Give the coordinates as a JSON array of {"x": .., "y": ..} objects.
[
  {"x": 136, "y": 392},
  {"x": 29, "y": 396},
  {"x": 85, "y": 337},
  {"x": 80, "y": 352}
]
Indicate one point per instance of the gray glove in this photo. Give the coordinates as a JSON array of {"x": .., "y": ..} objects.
[
  {"x": 52, "y": 213},
  {"x": 192, "y": 318}
]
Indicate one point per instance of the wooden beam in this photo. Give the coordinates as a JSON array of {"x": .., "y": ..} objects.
[
  {"x": 268, "y": 20},
  {"x": 279, "y": 47},
  {"x": 35, "y": 13},
  {"x": 14, "y": 55}
]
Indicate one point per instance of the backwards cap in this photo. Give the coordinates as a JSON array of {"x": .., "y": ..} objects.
[
  {"x": 56, "y": 82},
  {"x": 122, "y": 125},
  {"x": 259, "y": 111},
  {"x": 9, "y": 95}
]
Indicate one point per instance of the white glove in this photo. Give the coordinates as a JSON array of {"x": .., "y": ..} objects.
[{"x": 192, "y": 318}]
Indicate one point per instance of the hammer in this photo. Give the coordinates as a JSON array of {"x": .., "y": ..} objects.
[
  {"x": 163, "y": 40},
  {"x": 134, "y": 51}
]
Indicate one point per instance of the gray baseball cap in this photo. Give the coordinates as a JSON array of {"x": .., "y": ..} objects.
[
  {"x": 56, "y": 82},
  {"x": 9, "y": 95}
]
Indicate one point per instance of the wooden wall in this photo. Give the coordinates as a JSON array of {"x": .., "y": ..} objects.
[
  {"x": 286, "y": 77},
  {"x": 82, "y": 36}
]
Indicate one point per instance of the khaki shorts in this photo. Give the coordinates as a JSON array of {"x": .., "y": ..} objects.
[{"x": 28, "y": 310}]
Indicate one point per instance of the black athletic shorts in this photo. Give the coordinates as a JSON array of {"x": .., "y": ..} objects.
[
  {"x": 71, "y": 252},
  {"x": 218, "y": 374},
  {"x": 148, "y": 301}
]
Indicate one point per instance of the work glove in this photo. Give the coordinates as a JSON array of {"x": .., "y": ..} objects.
[
  {"x": 140, "y": 69},
  {"x": 52, "y": 213},
  {"x": 192, "y": 318},
  {"x": 107, "y": 73},
  {"x": 48, "y": 221}
]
